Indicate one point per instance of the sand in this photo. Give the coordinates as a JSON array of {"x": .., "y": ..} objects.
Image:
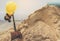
[{"x": 42, "y": 25}]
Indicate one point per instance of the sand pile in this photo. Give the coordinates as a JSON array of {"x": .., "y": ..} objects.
[{"x": 42, "y": 25}]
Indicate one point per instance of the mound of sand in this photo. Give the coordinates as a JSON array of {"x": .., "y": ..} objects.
[{"x": 42, "y": 25}]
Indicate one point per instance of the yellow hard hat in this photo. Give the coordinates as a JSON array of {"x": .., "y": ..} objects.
[{"x": 10, "y": 8}]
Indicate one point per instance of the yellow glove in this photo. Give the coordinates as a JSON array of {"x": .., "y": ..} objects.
[{"x": 10, "y": 8}]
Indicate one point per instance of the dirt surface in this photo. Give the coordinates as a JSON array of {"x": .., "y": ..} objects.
[{"x": 42, "y": 25}]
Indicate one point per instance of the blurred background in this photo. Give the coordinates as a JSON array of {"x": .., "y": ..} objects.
[{"x": 24, "y": 8}]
